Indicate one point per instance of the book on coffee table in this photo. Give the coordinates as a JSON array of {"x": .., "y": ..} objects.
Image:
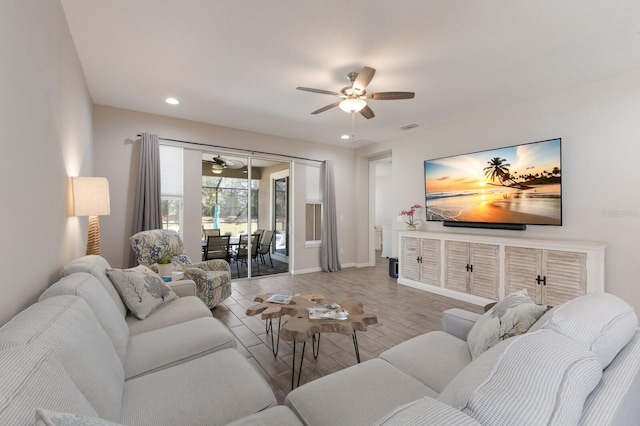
[
  {"x": 332, "y": 312},
  {"x": 283, "y": 299}
]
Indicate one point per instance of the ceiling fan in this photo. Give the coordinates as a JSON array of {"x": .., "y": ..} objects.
[
  {"x": 353, "y": 97},
  {"x": 218, "y": 164}
]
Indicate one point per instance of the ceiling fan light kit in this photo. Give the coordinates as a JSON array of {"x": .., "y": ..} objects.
[
  {"x": 353, "y": 96},
  {"x": 352, "y": 104}
]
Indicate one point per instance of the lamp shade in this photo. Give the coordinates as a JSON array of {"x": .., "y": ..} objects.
[
  {"x": 352, "y": 104},
  {"x": 90, "y": 196}
]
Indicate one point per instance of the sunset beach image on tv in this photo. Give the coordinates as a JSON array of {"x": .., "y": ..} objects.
[{"x": 515, "y": 185}]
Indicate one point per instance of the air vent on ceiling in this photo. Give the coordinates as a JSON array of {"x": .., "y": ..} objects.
[{"x": 409, "y": 126}]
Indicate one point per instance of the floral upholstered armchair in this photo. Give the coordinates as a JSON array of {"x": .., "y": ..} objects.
[{"x": 212, "y": 277}]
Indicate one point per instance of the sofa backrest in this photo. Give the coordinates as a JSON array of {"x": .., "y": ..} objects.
[
  {"x": 68, "y": 326},
  {"x": 32, "y": 378},
  {"x": 97, "y": 266},
  {"x": 89, "y": 288},
  {"x": 535, "y": 378},
  {"x": 615, "y": 400}
]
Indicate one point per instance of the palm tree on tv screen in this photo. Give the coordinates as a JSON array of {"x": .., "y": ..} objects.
[{"x": 499, "y": 168}]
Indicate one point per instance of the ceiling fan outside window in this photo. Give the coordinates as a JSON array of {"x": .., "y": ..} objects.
[{"x": 354, "y": 97}]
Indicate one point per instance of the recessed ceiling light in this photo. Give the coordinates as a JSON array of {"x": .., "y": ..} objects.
[
  {"x": 345, "y": 137},
  {"x": 172, "y": 101}
]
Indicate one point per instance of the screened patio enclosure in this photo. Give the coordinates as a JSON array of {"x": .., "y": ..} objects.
[{"x": 246, "y": 195}]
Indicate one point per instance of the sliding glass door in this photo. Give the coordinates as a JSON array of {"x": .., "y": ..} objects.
[{"x": 239, "y": 199}]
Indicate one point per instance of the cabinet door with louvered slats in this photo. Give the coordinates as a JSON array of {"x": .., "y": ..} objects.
[
  {"x": 456, "y": 257},
  {"x": 409, "y": 266},
  {"x": 522, "y": 268},
  {"x": 485, "y": 276},
  {"x": 566, "y": 274},
  {"x": 430, "y": 264}
]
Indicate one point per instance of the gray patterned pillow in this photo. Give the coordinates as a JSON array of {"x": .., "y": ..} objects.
[
  {"x": 510, "y": 317},
  {"x": 51, "y": 418},
  {"x": 141, "y": 289}
]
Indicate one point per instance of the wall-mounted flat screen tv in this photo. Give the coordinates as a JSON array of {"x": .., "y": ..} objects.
[{"x": 516, "y": 185}]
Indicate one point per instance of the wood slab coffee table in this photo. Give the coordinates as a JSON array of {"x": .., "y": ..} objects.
[
  {"x": 271, "y": 310},
  {"x": 299, "y": 328}
]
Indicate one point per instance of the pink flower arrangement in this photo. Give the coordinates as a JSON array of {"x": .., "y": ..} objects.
[{"x": 409, "y": 213}]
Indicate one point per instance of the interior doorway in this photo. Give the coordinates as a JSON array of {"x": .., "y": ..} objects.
[{"x": 381, "y": 214}]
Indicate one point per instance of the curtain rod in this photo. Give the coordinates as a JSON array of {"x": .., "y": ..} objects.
[{"x": 251, "y": 151}]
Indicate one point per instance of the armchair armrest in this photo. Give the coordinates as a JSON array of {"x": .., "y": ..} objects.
[
  {"x": 183, "y": 287},
  {"x": 210, "y": 265},
  {"x": 458, "y": 322}
]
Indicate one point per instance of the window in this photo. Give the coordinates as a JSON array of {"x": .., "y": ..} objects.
[
  {"x": 313, "y": 219},
  {"x": 313, "y": 206},
  {"x": 171, "y": 187}
]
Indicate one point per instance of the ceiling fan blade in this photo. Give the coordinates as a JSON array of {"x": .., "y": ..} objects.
[
  {"x": 323, "y": 109},
  {"x": 388, "y": 96},
  {"x": 367, "y": 112},
  {"x": 324, "y": 92},
  {"x": 233, "y": 164},
  {"x": 363, "y": 79}
]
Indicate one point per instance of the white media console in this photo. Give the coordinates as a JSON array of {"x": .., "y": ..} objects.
[{"x": 481, "y": 269}]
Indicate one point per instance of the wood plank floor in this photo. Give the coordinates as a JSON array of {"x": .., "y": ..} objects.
[{"x": 403, "y": 312}]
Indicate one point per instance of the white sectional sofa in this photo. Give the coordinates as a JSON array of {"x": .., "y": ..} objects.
[
  {"x": 578, "y": 364},
  {"x": 76, "y": 353}
]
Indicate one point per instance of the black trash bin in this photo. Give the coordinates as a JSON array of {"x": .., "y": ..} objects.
[{"x": 393, "y": 267}]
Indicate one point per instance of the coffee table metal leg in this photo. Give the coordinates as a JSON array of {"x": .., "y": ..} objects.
[
  {"x": 293, "y": 364},
  {"x": 316, "y": 346},
  {"x": 274, "y": 349},
  {"x": 355, "y": 345}
]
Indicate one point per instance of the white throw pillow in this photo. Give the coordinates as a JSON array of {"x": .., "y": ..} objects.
[
  {"x": 141, "y": 289},
  {"x": 510, "y": 317},
  {"x": 602, "y": 322}
]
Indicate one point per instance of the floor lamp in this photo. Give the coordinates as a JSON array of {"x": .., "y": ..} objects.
[{"x": 90, "y": 197}]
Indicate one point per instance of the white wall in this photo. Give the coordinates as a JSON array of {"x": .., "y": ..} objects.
[
  {"x": 116, "y": 153},
  {"x": 45, "y": 117},
  {"x": 599, "y": 125}
]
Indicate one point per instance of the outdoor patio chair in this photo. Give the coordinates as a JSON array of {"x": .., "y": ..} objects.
[{"x": 265, "y": 246}]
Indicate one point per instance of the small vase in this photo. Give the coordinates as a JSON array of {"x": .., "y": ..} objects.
[
  {"x": 164, "y": 269},
  {"x": 411, "y": 227}
]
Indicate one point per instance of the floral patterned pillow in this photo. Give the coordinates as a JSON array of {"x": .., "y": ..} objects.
[
  {"x": 509, "y": 317},
  {"x": 141, "y": 289}
]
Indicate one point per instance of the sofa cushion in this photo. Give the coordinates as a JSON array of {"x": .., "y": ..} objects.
[
  {"x": 279, "y": 415},
  {"x": 68, "y": 325},
  {"x": 97, "y": 266},
  {"x": 141, "y": 289},
  {"x": 358, "y": 395},
  {"x": 53, "y": 418},
  {"x": 426, "y": 411},
  {"x": 162, "y": 348},
  {"x": 510, "y": 317},
  {"x": 32, "y": 377},
  {"x": 178, "y": 310},
  {"x": 211, "y": 390},
  {"x": 602, "y": 322},
  {"x": 89, "y": 288},
  {"x": 539, "y": 378},
  {"x": 418, "y": 356}
]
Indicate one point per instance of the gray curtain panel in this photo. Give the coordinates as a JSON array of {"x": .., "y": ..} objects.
[
  {"x": 146, "y": 210},
  {"x": 329, "y": 249}
]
